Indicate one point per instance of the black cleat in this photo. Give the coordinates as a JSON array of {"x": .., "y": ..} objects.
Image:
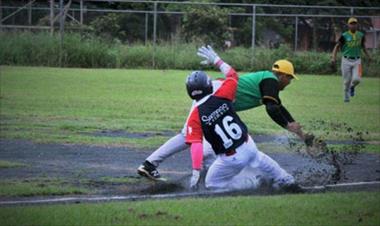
[{"x": 149, "y": 171}]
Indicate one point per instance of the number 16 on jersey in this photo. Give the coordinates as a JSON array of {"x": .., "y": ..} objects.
[{"x": 228, "y": 131}]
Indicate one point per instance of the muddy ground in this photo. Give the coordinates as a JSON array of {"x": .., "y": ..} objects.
[{"x": 96, "y": 167}]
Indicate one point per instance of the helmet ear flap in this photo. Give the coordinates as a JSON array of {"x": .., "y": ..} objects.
[
  {"x": 210, "y": 90},
  {"x": 209, "y": 85}
]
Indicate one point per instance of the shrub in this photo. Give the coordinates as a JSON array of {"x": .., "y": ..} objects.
[{"x": 42, "y": 49}]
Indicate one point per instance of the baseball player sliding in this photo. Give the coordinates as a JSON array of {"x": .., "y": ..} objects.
[
  {"x": 214, "y": 117},
  {"x": 254, "y": 89}
]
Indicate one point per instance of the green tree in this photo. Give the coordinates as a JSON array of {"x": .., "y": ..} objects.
[
  {"x": 208, "y": 24},
  {"x": 107, "y": 26}
]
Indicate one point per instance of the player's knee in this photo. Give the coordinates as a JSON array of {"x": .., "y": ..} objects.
[
  {"x": 356, "y": 81},
  {"x": 347, "y": 82}
]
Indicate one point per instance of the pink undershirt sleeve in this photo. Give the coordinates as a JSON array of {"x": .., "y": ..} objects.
[{"x": 197, "y": 155}]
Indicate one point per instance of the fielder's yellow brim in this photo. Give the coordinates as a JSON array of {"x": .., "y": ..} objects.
[
  {"x": 352, "y": 20},
  {"x": 293, "y": 75}
]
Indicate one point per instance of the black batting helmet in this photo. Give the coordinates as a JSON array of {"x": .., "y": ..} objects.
[{"x": 198, "y": 85}]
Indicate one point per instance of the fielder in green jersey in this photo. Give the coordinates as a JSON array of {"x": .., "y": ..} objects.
[
  {"x": 248, "y": 94},
  {"x": 352, "y": 42}
]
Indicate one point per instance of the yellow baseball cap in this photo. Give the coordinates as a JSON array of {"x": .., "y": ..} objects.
[
  {"x": 352, "y": 20},
  {"x": 284, "y": 66}
]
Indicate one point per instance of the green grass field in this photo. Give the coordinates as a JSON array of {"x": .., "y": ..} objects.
[
  {"x": 67, "y": 105},
  {"x": 52, "y": 105},
  {"x": 361, "y": 208}
]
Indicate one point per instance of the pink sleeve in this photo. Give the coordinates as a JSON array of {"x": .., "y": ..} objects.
[
  {"x": 197, "y": 155},
  {"x": 194, "y": 132}
]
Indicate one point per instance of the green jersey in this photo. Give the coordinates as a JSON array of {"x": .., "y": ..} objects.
[
  {"x": 352, "y": 43},
  {"x": 248, "y": 94},
  {"x": 256, "y": 89}
]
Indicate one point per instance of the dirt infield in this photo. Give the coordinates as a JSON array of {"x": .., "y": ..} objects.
[{"x": 89, "y": 165}]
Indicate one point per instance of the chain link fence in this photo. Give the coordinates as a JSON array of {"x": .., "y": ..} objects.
[{"x": 301, "y": 27}]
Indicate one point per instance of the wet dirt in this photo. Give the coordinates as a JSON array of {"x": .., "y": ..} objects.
[
  {"x": 88, "y": 166},
  {"x": 330, "y": 164}
]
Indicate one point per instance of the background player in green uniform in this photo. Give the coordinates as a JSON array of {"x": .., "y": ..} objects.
[
  {"x": 351, "y": 42},
  {"x": 254, "y": 89}
]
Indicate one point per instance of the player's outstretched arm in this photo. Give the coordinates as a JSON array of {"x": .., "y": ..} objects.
[
  {"x": 229, "y": 86},
  {"x": 211, "y": 57},
  {"x": 277, "y": 112}
]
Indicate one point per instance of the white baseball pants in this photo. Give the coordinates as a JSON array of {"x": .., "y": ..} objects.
[
  {"x": 223, "y": 173},
  {"x": 351, "y": 73}
]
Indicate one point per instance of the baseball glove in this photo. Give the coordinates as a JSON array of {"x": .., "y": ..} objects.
[{"x": 315, "y": 146}]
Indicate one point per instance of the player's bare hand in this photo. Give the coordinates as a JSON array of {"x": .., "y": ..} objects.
[
  {"x": 195, "y": 178},
  {"x": 209, "y": 55},
  {"x": 296, "y": 128}
]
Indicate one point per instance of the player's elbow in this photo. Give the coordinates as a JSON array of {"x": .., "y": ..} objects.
[{"x": 272, "y": 108}]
